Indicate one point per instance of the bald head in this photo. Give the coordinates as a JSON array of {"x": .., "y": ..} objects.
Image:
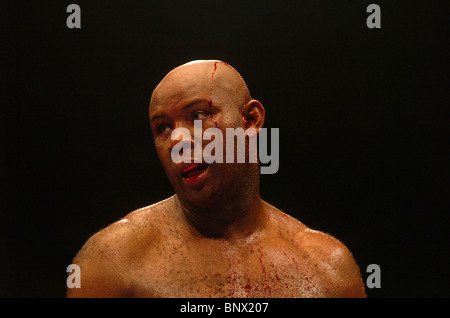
[{"x": 213, "y": 80}]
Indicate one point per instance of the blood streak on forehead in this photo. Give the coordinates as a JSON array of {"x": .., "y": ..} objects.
[
  {"x": 183, "y": 82},
  {"x": 212, "y": 85},
  {"x": 237, "y": 74},
  {"x": 210, "y": 95}
]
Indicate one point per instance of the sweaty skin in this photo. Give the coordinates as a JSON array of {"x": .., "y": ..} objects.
[{"x": 215, "y": 237}]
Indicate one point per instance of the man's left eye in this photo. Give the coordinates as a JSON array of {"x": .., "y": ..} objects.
[{"x": 199, "y": 115}]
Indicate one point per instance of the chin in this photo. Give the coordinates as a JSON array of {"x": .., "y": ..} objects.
[{"x": 206, "y": 197}]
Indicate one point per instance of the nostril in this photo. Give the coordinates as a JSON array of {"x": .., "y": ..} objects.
[
  {"x": 180, "y": 146},
  {"x": 180, "y": 152}
]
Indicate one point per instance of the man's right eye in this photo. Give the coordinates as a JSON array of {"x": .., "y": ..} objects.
[{"x": 163, "y": 128}]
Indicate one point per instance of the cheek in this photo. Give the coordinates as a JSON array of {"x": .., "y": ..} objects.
[{"x": 162, "y": 151}]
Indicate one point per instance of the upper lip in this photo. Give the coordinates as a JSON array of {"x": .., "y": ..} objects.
[{"x": 182, "y": 168}]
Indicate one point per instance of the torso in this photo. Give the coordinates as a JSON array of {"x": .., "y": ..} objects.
[{"x": 278, "y": 261}]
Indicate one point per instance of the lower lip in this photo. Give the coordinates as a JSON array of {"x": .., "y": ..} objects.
[{"x": 197, "y": 179}]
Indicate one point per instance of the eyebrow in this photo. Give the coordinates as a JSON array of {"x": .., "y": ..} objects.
[{"x": 190, "y": 104}]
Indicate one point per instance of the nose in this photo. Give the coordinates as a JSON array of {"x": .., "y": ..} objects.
[{"x": 182, "y": 137}]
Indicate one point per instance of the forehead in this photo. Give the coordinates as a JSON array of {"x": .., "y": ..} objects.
[{"x": 182, "y": 85}]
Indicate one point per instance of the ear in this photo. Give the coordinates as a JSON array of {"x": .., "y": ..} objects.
[{"x": 253, "y": 114}]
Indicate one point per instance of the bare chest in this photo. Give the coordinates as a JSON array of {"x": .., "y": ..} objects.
[{"x": 215, "y": 269}]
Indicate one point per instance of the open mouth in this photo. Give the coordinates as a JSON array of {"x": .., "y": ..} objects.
[{"x": 194, "y": 170}]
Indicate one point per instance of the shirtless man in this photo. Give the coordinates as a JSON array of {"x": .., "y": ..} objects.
[{"x": 215, "y": 237}]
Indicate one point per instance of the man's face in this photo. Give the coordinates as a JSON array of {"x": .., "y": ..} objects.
[{"x": 185, "y": 95}]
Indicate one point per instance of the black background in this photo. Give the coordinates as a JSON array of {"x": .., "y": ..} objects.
[{"x": 362, "y": 115}]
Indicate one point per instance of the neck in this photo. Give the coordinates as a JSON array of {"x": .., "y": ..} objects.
[{"x": 236, "y": 219}]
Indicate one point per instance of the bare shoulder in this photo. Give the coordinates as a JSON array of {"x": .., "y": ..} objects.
[
  {"x": 106, "y": 256},
  {"x": 330, "y": 254}
]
